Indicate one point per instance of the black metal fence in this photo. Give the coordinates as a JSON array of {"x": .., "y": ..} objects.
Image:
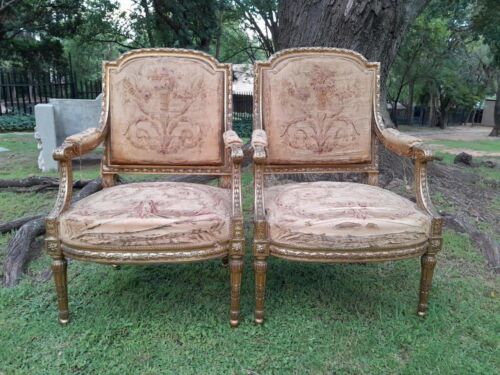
[
  {"x": 242, "y": 106},
  {"x": 421, "y": 116},
  {"x": 20, "y": 91}
]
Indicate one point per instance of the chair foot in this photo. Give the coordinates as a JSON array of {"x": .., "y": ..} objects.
[
  {"x": 260, "y": 266},
  {"x": 428, "y": 263},
  {"x": 64, "y": 320},
  {"x": 59, "y": 268},
  {"x": 236, "y": 268}
]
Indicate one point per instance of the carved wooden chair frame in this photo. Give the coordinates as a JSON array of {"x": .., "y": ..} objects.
[
  {"x": 229, "y": 176},
  {"x": 394, "y": 141}
]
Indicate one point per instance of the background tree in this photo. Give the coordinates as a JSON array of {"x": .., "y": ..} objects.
[
  {"x": 261, "y": 18},
  {"x": 486, "y": 23},
  {"x": 31, "y": 31},
  {"x": 373, "y": 28},
  {"x": 439, "y": 64}
]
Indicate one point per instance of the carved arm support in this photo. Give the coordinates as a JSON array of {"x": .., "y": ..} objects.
[
  {"x": 259, "y": 144},
  {"x": 73, "y": 146},
  {"x": 412, "y": 147},
  {"x": 235, "y": 144}
]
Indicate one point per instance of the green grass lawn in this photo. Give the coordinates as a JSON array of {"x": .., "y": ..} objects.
[
  {"x": 321, "y": 319},
  {"x": 492, "y": 145}
]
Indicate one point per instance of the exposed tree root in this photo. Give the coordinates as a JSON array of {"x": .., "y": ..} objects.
[
  {"x": 36, "y": 184},
  {"x": 19, "y": 249}
]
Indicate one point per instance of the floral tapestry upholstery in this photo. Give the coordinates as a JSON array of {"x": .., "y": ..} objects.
[
  {"x": 166, "y": 110},
  {"x": 149, "y": 214},
  {"x": 342, "y": 216},
  {"x": 318, "y": 109}
]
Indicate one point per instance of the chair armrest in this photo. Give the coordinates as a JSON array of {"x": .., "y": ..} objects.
[
  {"x": 234, "y": 142},
  {"x": 73, "y": 146},
  {"x": 63, "y": 199},
  {"x": 412, "y": 147},
  {"x": 79, "y": 144},
  {"x": 404, "y": 144},
  {"x": 259, "y": 144}
]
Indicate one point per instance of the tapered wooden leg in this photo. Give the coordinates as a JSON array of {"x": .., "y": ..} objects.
[
  {"x": 428, "y": 263},
  {"x": 59, "y": 268},
  {"x": 109, "y": 180},
  {"x": 236, "y": 268},
  {"x": 260, "y": 266}
]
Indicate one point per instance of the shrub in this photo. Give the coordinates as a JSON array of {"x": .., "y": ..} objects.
[
  {"x": 17, "y": 123},
  {"x": 243, "y": 127}
]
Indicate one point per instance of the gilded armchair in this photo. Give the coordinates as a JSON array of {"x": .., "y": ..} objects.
[
  {"x": 316, "y": 110},
  {"x": 165, "y": 111}
]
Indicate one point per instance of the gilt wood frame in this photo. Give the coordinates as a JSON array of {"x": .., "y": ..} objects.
[
  {"x": 397, "y": 143},
  {"x": 229, "y": 171}
]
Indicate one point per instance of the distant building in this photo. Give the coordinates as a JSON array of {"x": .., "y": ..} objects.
[{"x": 488, "y": 112}]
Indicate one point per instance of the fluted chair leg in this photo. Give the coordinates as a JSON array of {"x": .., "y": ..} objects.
[
  {"x": 59, "y": 268},
  {"x": 236, "y": 268},
  {"x": 260, "y": 266},
  {"x": 428, "y": 263}
]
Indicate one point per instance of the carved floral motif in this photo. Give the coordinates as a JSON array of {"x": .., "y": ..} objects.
[
  {"x": 149, "y": 214},
  {"x": 162, "y": 111},
  {"x": 319, "y": 111}
]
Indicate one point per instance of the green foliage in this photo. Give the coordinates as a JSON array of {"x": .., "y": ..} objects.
[
  {"x": 16, "y": 123},
  {"x": 243, "y": 127},
  {"x": 486, "y": 24},
  {"x": 439, "y": 63},
  {"x": 30, "y": 32}
]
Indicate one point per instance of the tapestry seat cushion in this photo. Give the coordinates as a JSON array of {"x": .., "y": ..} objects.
[
  {"x": 342, "y": 216},
  {"x": 159, "y": 214}
]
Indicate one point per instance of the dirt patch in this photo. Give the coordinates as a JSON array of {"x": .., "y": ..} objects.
[
  {"x": 453, "y": 133},
  {"x": 468, "y": 202}
]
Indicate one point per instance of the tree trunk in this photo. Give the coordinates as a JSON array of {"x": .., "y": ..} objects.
[
  {"x": 374, "y": 28},
  {"x": 410, "y": 110},
  {"x": 495, "y": 132}
]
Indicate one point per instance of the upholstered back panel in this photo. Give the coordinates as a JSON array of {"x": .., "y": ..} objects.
[
  {"x": 166, "y": 110},
  {"x": 317, "y": 108}
]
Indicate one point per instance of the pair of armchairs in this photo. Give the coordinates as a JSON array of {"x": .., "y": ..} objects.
[{"x": 168, "y": 111}]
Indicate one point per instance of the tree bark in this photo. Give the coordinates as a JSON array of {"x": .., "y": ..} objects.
[
  {"x": 16, "y": 224},
  {"x": 374, "y": 28},
  {"x": 409, "y": 110},
  {"x": 495, "y": 132},
  {"x": 38, "y": 181},
  {"x": 18, "y": 249}
]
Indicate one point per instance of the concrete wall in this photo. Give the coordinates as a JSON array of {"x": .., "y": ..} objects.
[{"x": 59, "y": 119}]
